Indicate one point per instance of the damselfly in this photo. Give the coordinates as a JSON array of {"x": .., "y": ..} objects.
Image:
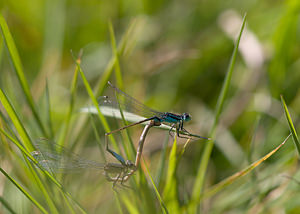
[
  {"x": 57, "y": 159},
  {"x": 129, "y": 104}
]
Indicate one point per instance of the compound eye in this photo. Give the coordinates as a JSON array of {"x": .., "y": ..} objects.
[{"x": 187, "y": 116}]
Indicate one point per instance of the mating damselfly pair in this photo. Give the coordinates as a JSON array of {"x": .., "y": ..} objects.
[{"x": 56, "y": 159}]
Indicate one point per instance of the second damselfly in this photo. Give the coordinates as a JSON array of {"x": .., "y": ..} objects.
[{"x": 57, "y": 159}]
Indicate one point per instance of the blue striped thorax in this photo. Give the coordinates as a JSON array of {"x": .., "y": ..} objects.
[{"x": 174, "y": 118}]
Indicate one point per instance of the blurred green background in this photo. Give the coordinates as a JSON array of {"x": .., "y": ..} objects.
[{"x": 174, "y": 58}]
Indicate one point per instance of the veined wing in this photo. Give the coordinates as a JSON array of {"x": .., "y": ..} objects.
[
  {"x": 57, "y": 159},
  {"x": 127, "y": 103}
]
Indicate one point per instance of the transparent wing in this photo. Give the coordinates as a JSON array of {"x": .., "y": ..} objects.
[
  {"x": 57, "y": 159},
  {"x": 127, "y": 103}
]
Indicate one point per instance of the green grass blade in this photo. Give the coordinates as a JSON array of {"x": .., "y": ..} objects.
[
  {"x": 48, "y": 106},
  {"x": 227, "y": 80},
  {"x": 37, "y": 179},
  {"x": 16, "y": 121},
  {"x": 291, "y": 125},
  {"x": 1, "y": 49},
  {"x": 62, "y": 137},
  {"x": 22, "y": 149},
  {"x": 16, "y": 61},
  {"x": 183, "y": 149},
  {"x": 131, "y": 207},
  {"x": 102, "y": 82},
  {"x": 132, "y": 148},
  {"x": 28, "y": 155},
  {"x": 216, "y": 188},
  {"x": 197, "y": 189},
  {"x": 284, "y": 40},
  {"x": 94, "y": 100},
  {"x": 6, "y": 205},
  {"x": 42, "y": 187},
  {"x": 120, "y": 84},
  {"x": 161, "y": 165},
  {"x": 116, "y": 56},
  {"x": 37, "y": 204},
  {"x": 97, "y": 137},
  {"x": 163, "y": 206},
  {"x": 171, "y": 188},
  {"x": 27, "y": 143}
]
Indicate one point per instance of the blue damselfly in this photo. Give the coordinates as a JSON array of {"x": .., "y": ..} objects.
[{"x": 128, "y": 104}]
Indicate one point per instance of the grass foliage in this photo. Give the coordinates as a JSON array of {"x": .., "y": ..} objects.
[{"x": 168, "y": 58}]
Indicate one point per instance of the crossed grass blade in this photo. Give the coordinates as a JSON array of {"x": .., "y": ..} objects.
[{"x": 198, "y": 185}]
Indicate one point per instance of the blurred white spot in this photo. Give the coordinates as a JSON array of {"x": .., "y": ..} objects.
[
  {"x": 262, "y": 102},
  {"x": 250, "y": 47}
]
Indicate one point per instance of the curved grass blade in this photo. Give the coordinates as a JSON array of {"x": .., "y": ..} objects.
[
  {"x": 216, "y": 188},
  {"x": 197, "y": 189},
  {"x": 41, "y": 186},
  {"x": 102, "y": 81},
  {"x": 16, "y": 121},
  {"x": 94, "y": 100},
  {"x": 32, "y": 159},
  {"x": 16, "y": 61},
  {"x": 100, "y": 86},
  {"x": 130, "y": 153},
  {"x": 27, "y": 143},
  {"x": 37, "y": 204},
  {"x": 170, "y": 192},
  {"x": 291, "y": 125}
]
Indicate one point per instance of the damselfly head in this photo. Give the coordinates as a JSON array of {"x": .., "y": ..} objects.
[
  {"x": 186, "y": 117},
  {"x": 130, "y": 165}
]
